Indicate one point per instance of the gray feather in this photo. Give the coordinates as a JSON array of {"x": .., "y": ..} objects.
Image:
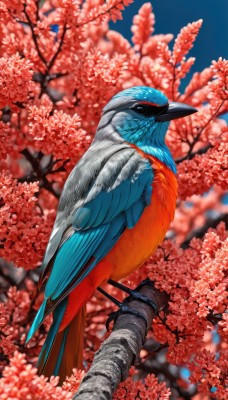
[{"x": 102, "y": 168}]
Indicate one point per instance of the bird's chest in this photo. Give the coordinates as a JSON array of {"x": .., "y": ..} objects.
[{"x": 137, "y": 244}]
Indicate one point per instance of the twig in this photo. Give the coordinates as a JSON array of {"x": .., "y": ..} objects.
[
  {"x": 51, "y": 63},
  {"x": 103, "y": 12},
  {"x": 38, "y": 173},
  {"x": 212, "y": 116},
  {"x": 116, "y": 355},
  {"x": 189, "y": 156},
  {"x": 34, "y": 37}
]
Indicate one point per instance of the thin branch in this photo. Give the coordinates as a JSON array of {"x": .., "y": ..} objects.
[
  {"x": 116, "y": 355},
  {"x": 190, "y": 156},
  {"x": 212, "y": 117},
  {"x": 59, "y": 169},
  {"x": 34, "y": 37},
  {"x": 104, "y": 12},
  {"x": 39, "y": 173},
  {"x": 51, "y": 63}
]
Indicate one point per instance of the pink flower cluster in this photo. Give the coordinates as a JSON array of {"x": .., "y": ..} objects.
[
  {"x": 72, "y": 382},
  {"x": 209, "y": 373},
  {"x": 210, "y": 289},
  {"x": 24, "y": 229},
  {"x": 219, "y": 87},
  {"x": 100, "y": 74},
  {"x": 15, "y": 80},
  {"x": 148, "y": 389},
  {"x": 206, "y": 171},
  {"x": 21, "y": 382},
  {"x": 56, "y": 133},
  {"x": 185, "y": 40},
  {"x": 15, "y": 319},
  {"x": 142, "y": 27},
  {"x": 5, "y": 140}
]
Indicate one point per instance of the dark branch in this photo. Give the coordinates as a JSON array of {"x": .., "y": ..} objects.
[
  {"x": 51, "y": 63},
  {"x": 212, "y": 117},
  {"x": 6, "y": 115},
  {"x": 214, "y": 318},
  {"x": 191, "y": 155},
  {"x": 34, "y": 37},
  {"x": 116, "y": 355},
  {"x": 39, "y": 173}
]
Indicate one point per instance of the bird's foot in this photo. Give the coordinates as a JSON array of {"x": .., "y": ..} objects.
[
  {"x": 134, "y": 294},
  {"x": 124, "y": 308}
]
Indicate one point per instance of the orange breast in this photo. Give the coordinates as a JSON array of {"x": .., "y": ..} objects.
[{"x": 137, "y": 244}]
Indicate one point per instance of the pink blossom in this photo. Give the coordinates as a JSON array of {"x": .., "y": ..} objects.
[
  {"x": 143, "y": 25},
  {"x": 185, "y": 40},
  {"x": 5, "y": 139},
  {"x": 58, "y": 134},
  {"x": 150, "y": 389},
  {"x": 20, "y": 381},
  {"x": 72, "y": 382},
  {"x": 24, "y": 229},
  {"x": 206, "y": 170},
  {"x": 15, "y": 80}
]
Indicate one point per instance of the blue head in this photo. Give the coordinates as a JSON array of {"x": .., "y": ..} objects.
[{"x": 140, "y": 115}]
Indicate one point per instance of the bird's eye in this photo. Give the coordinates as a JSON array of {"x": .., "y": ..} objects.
[{"x": 147, "y": 110}]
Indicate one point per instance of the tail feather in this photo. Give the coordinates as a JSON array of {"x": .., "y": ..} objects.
[
  {"x": 49, "y": 342},
  {"x": 37, "y": 321},
  {"x": 63, "y": 351}
]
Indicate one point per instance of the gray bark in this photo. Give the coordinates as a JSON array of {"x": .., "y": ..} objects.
[{"x": 120, "y": 351}]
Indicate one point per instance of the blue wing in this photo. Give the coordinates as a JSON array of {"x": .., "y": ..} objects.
[{"x": 95, "y": 208}]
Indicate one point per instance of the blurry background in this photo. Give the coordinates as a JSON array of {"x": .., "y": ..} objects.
[{"x": 172, "y": 15}]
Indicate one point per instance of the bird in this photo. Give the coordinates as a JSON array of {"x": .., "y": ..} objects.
[{"x": 115, "y": 209}]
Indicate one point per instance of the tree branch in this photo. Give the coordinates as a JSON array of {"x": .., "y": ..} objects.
[
  {"x": 39, "y": 173},
  {"x": 203, "y": 150},
  {"x": 116, "y": 355},
  {"x": 191, "y": 155},
  {"x": 51, "y": 63},
  {"x": 34, "y": 37}
]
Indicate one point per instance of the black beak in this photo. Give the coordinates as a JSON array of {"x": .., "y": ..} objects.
[{"x": 174, "y": 111}]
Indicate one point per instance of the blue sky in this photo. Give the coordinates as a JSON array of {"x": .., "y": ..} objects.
[{"x": 172, "y": 15}]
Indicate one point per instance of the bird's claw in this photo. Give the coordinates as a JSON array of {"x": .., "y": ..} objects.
[
  {"x": 141, "y": 297},
  {"x": 124, "y": 309}
]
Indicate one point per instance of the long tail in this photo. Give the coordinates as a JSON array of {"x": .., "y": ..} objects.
[
  {"x": 63, "y": 351},
  {"x": 63, "y": 348}
]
